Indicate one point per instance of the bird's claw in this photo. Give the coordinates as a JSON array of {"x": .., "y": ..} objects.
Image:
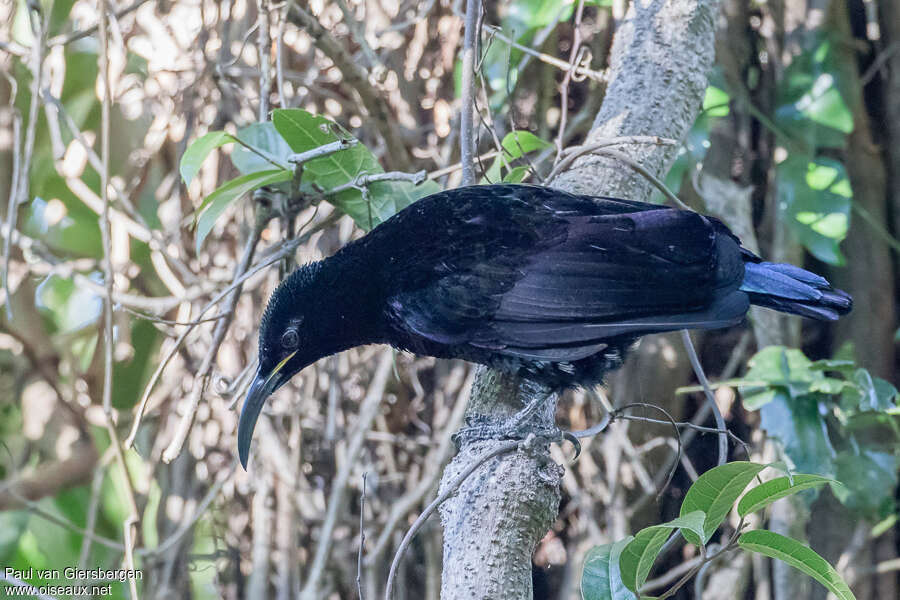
[{"x": 568, "y": 435}]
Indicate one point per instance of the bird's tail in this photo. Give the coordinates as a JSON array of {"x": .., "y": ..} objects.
[{"x": 790, "y": 289}]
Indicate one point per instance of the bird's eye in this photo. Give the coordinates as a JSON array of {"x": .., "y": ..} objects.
[{"x": 290, "y": 338}]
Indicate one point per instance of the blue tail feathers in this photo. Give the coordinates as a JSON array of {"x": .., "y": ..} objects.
[{"x": 790, "y": 289}]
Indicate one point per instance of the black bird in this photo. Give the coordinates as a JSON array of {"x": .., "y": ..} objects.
[{"x": 526, "y": 279}]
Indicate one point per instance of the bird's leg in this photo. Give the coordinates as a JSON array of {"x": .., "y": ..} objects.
[{"x": 526, "y": 421}]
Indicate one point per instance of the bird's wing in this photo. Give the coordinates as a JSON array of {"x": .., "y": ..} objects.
[
  {"x": 476, "y": 226},
  {"x": 610, "y": 275}
]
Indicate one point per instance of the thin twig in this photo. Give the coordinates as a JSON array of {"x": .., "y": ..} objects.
[
  {"x": 550, "y": 60},
  {"x": 263, "y": 50},
  {"x": 574, "y": 56},
  {"x": 362, "y": 536},
  {"x": 323, "y": 150},
  {"x": 710, "y": 397},
  {"x": 618, "y": 415},
  {"x": 363, "y": 180},
  {"x": 130, "y": 525},
  {"x": 68, "y": 38},
  {"x": 201, "y": 377},
  {"x": 466, "y": 121},
  {"x": 12, "y": 206},
  {"x": 368, "y": 410}
]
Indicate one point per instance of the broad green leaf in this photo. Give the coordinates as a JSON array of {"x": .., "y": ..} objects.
[
  {"x": 530, "y": 14},
  {"x": 785, "y": 370},
  {"x": 875, "y": 393},
  {"x": 812, "y": 97},
  {"x": 63, "y": 223},
  {"x": 387, "y": 199},
  {"x": 304, "y": 131},
  {"x": 197, "y": 152},
  {"x": 520, "y": 142},
  {"x": 69, "y": 307},
  {"x": 868, "y": 479},
  {"x": 601, "y": 578},
  {"x": 814, "y": 197},
  {"x": 13, "y": 524},
  {"x": 800, "y": 427},
  {"x": 832, "y": 364},
  {"x": 781, "y": 487},
  {"x": 215, "y": 204},
  {"x": 795, "y": 554},
  {"x": 715, "y": 493},
  {"x": 516, "y": 174},
  {"x": 715, "y": 102},
  {"x": 639, "y": 554},
  {"x": 266, "y": 140}
]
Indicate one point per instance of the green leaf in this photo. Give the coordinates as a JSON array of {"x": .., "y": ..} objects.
[
  {"x": 803, "y": 558},
  {"x": 875, "y": 393},
  {"x": 715, "y": 492},
  {"x": 13, "y": 524},
  {"x": 813, "y": 197},
  {"x": 197, "y": 152},
  {"x": 800, "y": 427},
  {"x": 785, "y": 370},
  {"x": 812, "y": 96},
  {"x": 520, "y": 142},
  {"x": 869, "y": 479},
  {"x": 516, "y": 174},
  {"x": 601, "y": 578},
  {"x": 639, "y": 554},
  {"x": 304, "y": 131},
  {"x": 780, "y": 487},
  {"x": 530, "y": 14},
  {"x": 266, "y": 140},
  {"x": 215, "y": 204},
  {"x": 715, "y": 102}
]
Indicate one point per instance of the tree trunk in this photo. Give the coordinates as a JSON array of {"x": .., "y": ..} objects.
[{"x": 660, "y": 58}]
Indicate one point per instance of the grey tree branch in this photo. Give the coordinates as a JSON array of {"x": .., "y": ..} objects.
[{"x": 659, "y": 62}]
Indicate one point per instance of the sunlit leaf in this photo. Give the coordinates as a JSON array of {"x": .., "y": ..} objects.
[
  {"x": 795, "y": 554},
  {"x": 304, "y": 131},
  {"x": 518, "y": 143},
  {"x": 766, "y": 493},
  {"x": 197, "y": 152},
  {"x": 814, "y": 200},
  {"x": 215, "y": 204},
  {"x": 714, "y": 493}
]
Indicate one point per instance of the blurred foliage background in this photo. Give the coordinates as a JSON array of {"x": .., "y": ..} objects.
[{"x": 797, "y": 147}]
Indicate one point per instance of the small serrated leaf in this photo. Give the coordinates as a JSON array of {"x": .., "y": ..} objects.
[
  {"x": 715, "y": 492},
  {"x": 795, "y": 554},
  {"x": 780, "y": 487},
  {"x": 197, "y": 152}
]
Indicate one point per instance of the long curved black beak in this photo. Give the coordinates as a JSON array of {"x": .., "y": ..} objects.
[{"x": 262, "y": 387}]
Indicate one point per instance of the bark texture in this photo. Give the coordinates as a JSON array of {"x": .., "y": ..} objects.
[{"x": 660, "y": 58}]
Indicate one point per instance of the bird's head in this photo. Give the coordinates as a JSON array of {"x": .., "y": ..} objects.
[{"x": 287, "y": 344}]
